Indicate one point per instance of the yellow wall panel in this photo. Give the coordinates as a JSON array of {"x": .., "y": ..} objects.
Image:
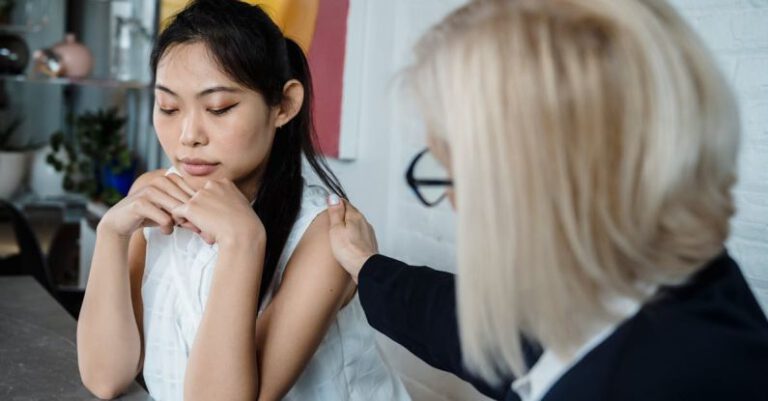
[{"x": 296, "y": 18}]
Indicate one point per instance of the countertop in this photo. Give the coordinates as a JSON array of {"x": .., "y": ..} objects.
[{"x": 38, "y": 356}]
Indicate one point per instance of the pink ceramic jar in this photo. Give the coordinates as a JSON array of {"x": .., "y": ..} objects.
[{"x": 72, "y": 59}]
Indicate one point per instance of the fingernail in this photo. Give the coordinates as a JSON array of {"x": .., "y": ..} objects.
[{"x": 333, "y": 199}]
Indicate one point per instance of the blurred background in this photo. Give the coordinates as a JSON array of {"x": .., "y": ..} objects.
[{"x": 75, "y": 127}]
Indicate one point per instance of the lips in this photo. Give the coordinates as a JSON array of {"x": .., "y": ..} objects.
[{"x": 198, "y": 167}]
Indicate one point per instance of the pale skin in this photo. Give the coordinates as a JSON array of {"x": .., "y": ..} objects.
[
  {"x": 353, "y": 239},
  {"x": 200, "y": 113}
]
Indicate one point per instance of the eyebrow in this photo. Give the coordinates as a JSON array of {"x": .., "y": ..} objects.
[{"x": 204, "y": 93}]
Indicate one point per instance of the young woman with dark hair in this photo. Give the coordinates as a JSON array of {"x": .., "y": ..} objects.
[{"x": 215, "y": 277}]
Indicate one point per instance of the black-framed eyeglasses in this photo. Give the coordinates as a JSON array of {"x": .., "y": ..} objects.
[{"x": 423, "y": 176}]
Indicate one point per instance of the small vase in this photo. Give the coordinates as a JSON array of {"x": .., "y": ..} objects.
[{"x": 68, "y": 58}]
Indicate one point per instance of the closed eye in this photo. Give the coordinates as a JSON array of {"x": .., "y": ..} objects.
[
  {"x": 218, "y": 112},
  {"x": 167, "y": 112}
]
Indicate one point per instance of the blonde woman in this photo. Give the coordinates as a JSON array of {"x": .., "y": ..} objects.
[{"x": 589, "y": 149}]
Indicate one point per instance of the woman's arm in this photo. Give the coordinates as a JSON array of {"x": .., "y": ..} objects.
[
  {"x": 313, "y": 289},
  {"x": 227, "y": 360},
  {"x": 222, "y": 362},
  {"x": 109, "y": 342},
  {"x": 109, "y": 329},
  {"x": 416, "y": 308}
]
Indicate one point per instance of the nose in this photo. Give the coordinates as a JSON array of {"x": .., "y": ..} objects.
[{"x": 193, "y": 132}]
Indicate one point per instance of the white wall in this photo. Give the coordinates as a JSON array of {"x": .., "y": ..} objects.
[
  {"x": 390, "y": 134},
  {"x": 737, "y": 31}
]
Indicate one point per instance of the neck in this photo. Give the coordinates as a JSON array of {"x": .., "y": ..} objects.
[{"x": 249, "y": 185}]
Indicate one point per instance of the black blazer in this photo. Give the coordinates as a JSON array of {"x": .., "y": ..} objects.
[{"x": 706, "y": 340}]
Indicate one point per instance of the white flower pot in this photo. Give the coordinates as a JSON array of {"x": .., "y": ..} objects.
[
  {"x": 44, "y": 180},
  {"x": 12, "y": 169}
]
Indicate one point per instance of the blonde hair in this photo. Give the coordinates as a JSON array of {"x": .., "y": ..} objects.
[{"x": 593, "y": 145}]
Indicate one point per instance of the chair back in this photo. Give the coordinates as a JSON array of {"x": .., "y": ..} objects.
[{"x": 30, "y": 260}]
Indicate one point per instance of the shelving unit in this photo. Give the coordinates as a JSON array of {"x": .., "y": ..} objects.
[
  {"x": 42, "y": 23},
  {"x": 45, "y": 102}
]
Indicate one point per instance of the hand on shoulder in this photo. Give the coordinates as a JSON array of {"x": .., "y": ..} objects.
[{"x": 353, "y": 240}]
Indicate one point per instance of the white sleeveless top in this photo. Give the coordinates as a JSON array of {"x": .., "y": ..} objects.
[{"x": 179, "y": 268}]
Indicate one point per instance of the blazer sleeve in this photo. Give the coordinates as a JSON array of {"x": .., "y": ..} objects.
[{"x": 416, "y": 307}]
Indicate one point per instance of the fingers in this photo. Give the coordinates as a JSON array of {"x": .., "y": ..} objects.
[
  {"x": 360, "y": 224},
  {"x": 161, "y": 198},
  {"x": 185, "y": 214},
  {"x": 352, "y": 214},
  {"x": 336, "y": 211},
  {"x": 154, "y": 202},
  {"x": 209, "y": 212},
  {"x": 169, "y": 192},
  {"x": 175, "y": 186},
  {"x": 207, "y": 238},
  {"x": 189, "y": 226},
  {"x": 176, "y": 179},
  {"x": 151, "y": 214},
  {"x": 341, "y": 212},
  {"x": 180, "y": 212}
]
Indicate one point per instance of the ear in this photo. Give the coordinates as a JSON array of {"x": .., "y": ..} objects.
[{"x": 293, "y": 98}]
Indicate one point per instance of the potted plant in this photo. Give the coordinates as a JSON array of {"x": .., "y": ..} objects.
[
  {"x": 95, "y": 160},
  {"x": 14, "y": 149}
]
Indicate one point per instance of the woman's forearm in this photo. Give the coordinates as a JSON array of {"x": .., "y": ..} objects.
[
  {"x": 222, "y": 363},
  {"x": 108, "y": 339}
]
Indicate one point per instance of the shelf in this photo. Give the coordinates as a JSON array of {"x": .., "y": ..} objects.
[
  {"x": 102, "y": 83},
  {"x": 72, "y": 207},
  {"x": 35, "y": 16},
  {"x": 33, "y": 28},
  {"x": 43, "y": 19}
]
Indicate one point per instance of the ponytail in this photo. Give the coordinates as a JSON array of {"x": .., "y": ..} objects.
[{"x": 277, "y": 204}]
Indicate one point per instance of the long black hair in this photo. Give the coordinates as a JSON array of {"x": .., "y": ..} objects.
[{"x": 251, "y": 50}]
